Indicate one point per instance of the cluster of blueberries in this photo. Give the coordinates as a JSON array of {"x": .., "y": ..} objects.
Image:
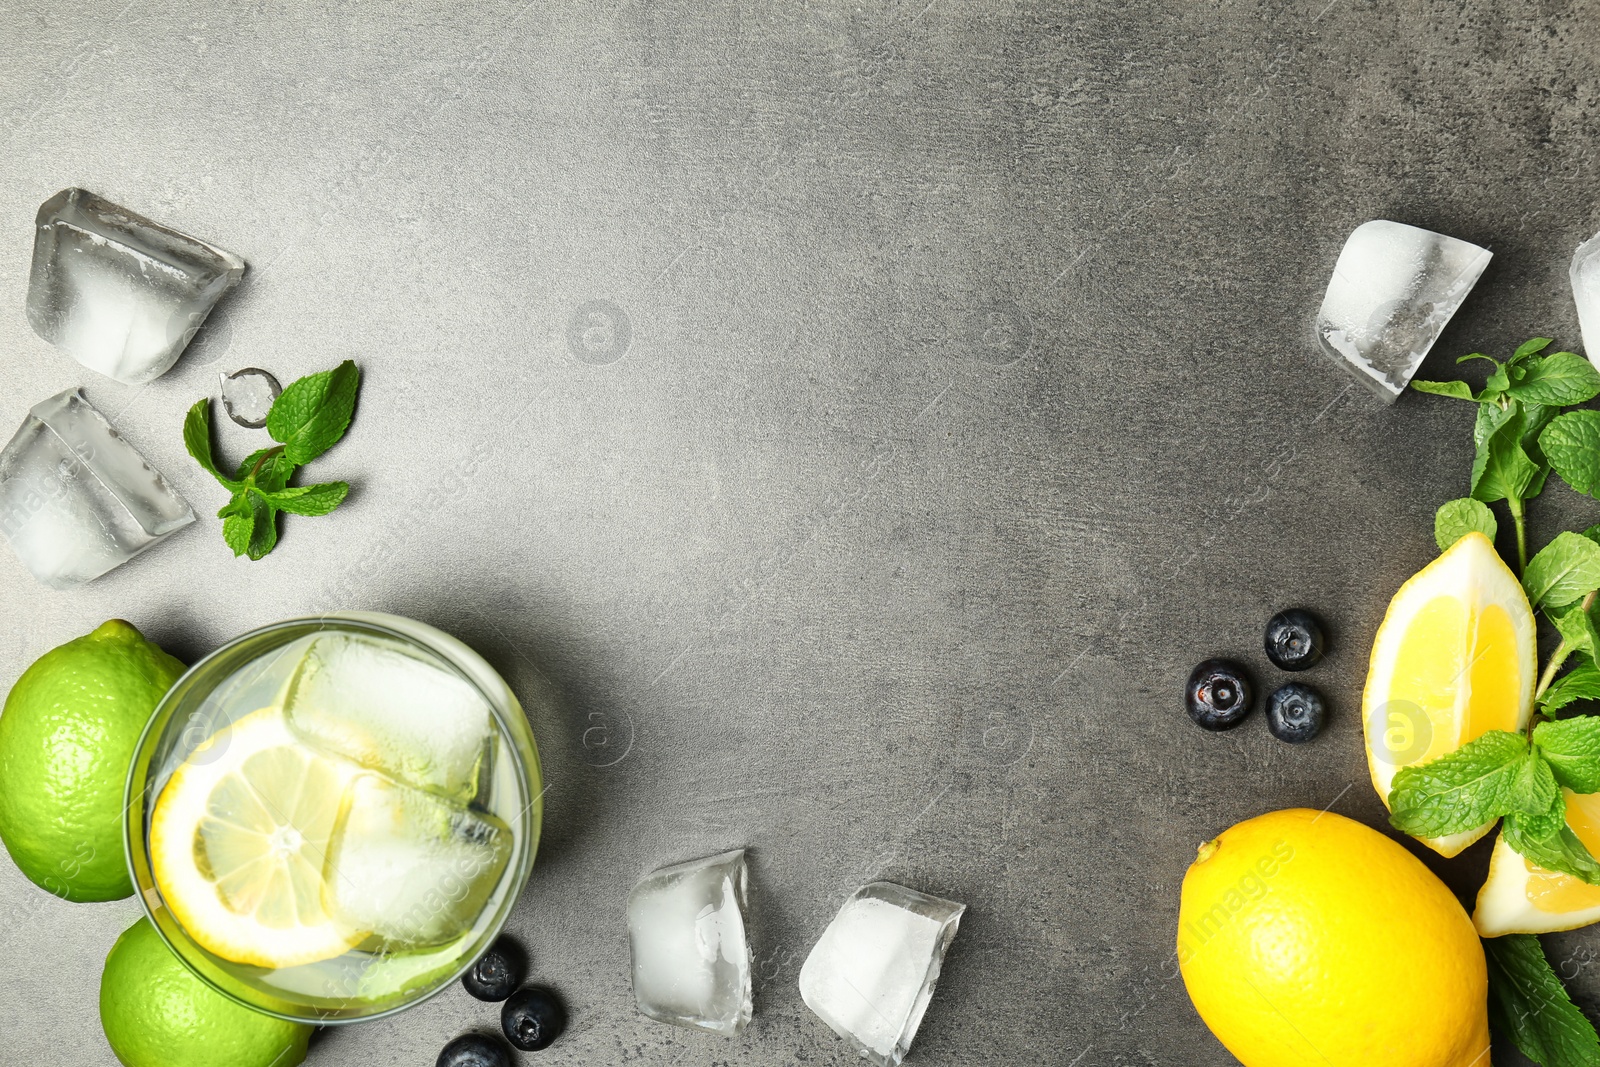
[
  {"x": 1220, "y": 695},
  {"x": 532, "y": 1016}
]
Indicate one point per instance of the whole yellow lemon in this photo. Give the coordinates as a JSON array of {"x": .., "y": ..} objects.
[{"x": 1305, "y": 937}]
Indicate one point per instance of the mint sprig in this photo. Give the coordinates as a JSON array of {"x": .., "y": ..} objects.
[
  {"x": 1528, "y": 1004},
  {"x": 1477, "y": 783},
  {"x": 1515, "y": 776},
  {"x": 1520, "y": 436},
  {"x": 308, "y": 418}
]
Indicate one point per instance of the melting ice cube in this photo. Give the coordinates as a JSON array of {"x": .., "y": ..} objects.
[
  {"x": 871, "y": 974},
  {"x": 691, "y": 960},
  {"x": 409, "y": 867},
  {"x": 122, "y": 294},
  {"x": 247, "y": 396},
  {"x": 76, "y": 499},
  {"x": 1393, "y": 290},
  {"x": 1586, "y": 292},
  {"x": 374, "y": 702}
]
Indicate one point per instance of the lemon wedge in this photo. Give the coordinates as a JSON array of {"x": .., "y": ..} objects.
[
  {"x": 1520, "y": 897},
  {"x": 239, "y": 842},
  {"x": 1453, "y": 659}
]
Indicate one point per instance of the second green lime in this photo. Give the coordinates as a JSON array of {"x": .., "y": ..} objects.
[{"x": 157, "y": 1014}]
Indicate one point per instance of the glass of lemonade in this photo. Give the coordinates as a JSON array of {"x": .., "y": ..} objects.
[{"x": 330, "y": 818}]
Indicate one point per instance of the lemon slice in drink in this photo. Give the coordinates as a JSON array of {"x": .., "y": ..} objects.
[
  {"x": 1453, "y": 659},
  {"x": 239, "y": 842},
  {"x": 1520, "y": 897}
]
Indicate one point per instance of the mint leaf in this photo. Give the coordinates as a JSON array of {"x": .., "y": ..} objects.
[
  {"x": 1577, "y": 629},
  {"x": 236, "y": 531},
  {"x": 1535, "y": 417},
  {"x": 309, "y": 499},
  {"x": 1580, "y": 683},
  {"x": 1463, "y": 790},
  {"x": 1572, "y": 746},
  {"x": 264, "y": 532},
  {"x": 313, "y": 412},
  {"x": 238, "y": 524},
  {"x": 1547, "y": 841},
  {"x": 1572, "y": 445},
  {"x": 197, "y": 439},
  {"x": 1534, "y": 791},
  {"x": 1457, "y": 518},
  {"x": 1537, "y": 827},
  {"x": 1529, "y": 1005},
  {"x": 1491, "y": 417},
  {"x": 1458, "y": 390},
  {"x": 1530, "y": 347},
  {"x": 1565, "y": 570},
  {"x": 1559, "y": 380},
  {"x": 1476, "y": 355},
  {"x": 1501, "y": 469}
]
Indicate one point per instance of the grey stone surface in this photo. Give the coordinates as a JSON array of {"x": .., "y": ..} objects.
[{"x": 967, "y": 398}]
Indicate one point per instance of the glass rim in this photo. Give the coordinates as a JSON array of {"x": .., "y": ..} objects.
[{"x": 509, "y": 717}]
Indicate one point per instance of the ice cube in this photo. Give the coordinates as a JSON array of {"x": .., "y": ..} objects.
[
  {"x": 373, "y": 701},
  {"x": 121, "y": 294},
  {"x": 247, "y": 396},
  {"x": 76, "y": 499},
  {"x": 1393, "y": 290},
  {"x": 1586, "y": 292},
  {"x": 691, "y": 960},
  {"x": 871, "y": 974},
  {"x": 409, "y": 867}
]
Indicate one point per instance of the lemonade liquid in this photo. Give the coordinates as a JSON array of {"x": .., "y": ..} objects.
[{"x": 349, "y": 815}]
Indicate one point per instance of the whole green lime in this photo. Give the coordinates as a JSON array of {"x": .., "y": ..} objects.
[
  {"x": 67, "y": 736},
  {"x": 156, "y": 1013}
]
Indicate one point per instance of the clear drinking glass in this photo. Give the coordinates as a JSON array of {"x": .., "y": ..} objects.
[{"x": 253, "y": 672}]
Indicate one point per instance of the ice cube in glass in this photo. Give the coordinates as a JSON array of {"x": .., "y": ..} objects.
[
  {"x": 374, "y": 702},
  {"x": 411, "y": 868},
  {"x": 1586, "y": 293},
  {"x": 873, "y": 971},
  {"x": 76, "y": 499},
  {"x": 1393, "y": 291},
  {"x": 123, "y": 295},
  {"x": 691, "y": 958}
]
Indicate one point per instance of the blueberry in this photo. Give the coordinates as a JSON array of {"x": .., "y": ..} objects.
[
  {"x": 1294, "y": 640},
  {"x": 474, "y": 1050},
  {"x": 1219, "y": 694},
  {"x": 497, "y": 973},
  {"x": 533, "y": 1018},
  {"x": 1295, "y": 713}
]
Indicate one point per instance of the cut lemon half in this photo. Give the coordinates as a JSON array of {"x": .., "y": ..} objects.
[
  {"x": 1453, "y": 659},
  {"x": 1520, "y": 897},
  {"x": 239, "y": 842}
]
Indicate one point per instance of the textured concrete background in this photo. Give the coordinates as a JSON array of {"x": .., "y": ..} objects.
[{"x": 863, "y": 415}]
